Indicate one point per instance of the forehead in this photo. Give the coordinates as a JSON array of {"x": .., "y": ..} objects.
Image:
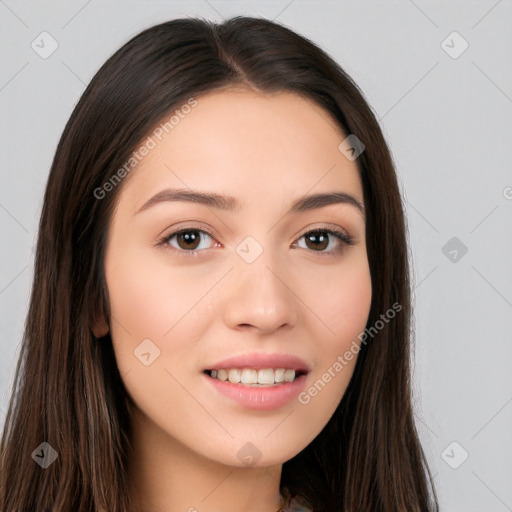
[{"x": 246, "y": 143}]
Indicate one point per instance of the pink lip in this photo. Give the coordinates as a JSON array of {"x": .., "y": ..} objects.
[
  {"x": 259, "y": 361},
  {"x": 259, "y": 398}
]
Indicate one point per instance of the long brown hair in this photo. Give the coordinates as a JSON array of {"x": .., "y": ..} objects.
[{"x": 67, "y": 390}]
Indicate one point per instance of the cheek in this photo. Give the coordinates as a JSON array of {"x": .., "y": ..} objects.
[
  {"x": 343, "y": 305},
  {"x": 341, "y": 302},
  {"x": 149, "y": 298},
  {"x": 165, "y": 304},
  {"x": 156, "y": 316},
  {"x": 151, "y": 301}
]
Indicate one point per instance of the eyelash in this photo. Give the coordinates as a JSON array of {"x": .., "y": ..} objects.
[{"x": 340, "y": 235}]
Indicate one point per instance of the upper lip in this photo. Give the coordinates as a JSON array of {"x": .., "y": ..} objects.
[{"x": 262, "y": 360}]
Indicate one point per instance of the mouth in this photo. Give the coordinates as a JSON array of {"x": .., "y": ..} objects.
[
  {"x": 260, "y": 389},
  {"x": 257, "y": 380},
  {"x": 256, "y": 377}
]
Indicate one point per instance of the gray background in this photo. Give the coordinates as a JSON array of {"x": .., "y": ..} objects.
[{"x": 449, "y": 124}]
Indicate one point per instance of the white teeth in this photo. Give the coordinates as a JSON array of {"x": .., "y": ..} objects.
[
  {"x": 266, "y": 376},
  {"x": 252, "y": 377},
  {"x": 249, "y": 377},
  {"x": 289, "y": 375},
  {"x": 234, "y": 376},
  {"x": 279, "y": 375}
]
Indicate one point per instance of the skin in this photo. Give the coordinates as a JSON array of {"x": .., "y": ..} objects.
[{"x": 266, "y": 150}]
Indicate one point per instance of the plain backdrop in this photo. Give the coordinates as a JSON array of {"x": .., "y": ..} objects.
[{"x": 439, "y": 77}]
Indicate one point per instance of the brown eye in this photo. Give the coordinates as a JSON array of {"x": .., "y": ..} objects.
[
  {"x": 317, "y": 240},
  {"x": 188, "y": 239}
]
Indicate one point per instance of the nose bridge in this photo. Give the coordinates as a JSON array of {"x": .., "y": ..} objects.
[{"x": 259, "y": 292}]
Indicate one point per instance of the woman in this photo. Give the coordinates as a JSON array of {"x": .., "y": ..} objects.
[{"x": 220, "y": 314}]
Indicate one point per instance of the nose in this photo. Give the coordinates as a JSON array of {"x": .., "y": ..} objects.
[{"x": 260, "y": 296}]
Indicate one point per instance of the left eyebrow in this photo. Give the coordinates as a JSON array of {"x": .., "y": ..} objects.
[
  {"x": 319, "y": 200},
  {"x": 230, "y": 203}
]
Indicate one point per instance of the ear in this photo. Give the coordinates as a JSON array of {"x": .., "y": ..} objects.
[
  {"x": 99, "y": 322},
  {"x": 100, "y": 328}
]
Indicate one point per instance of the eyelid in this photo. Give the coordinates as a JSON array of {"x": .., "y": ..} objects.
[
  {"x": 326, "y": 226},
  {"x": 184, "y": 226}
]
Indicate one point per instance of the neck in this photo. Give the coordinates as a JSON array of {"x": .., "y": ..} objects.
[{"x": 167, "y": 475}]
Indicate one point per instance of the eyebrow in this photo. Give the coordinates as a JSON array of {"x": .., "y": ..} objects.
[{"x": 230, "y": 203}]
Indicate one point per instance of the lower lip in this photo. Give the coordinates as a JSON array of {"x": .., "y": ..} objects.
[{"x": 260, "y": 398}]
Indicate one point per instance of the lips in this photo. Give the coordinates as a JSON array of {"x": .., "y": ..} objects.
[
  {"x": 261, "y": 361},
  {"x": 261, "y": 398},
  {"x": 263, "y": 395}
]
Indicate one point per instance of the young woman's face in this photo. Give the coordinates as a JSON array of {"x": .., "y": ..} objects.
[{"x": 239, "y": 281}]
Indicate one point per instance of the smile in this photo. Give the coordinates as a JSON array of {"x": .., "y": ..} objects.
[
  {"x": 253, "y": 377},
  {"x": 263, "y": 396}
]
